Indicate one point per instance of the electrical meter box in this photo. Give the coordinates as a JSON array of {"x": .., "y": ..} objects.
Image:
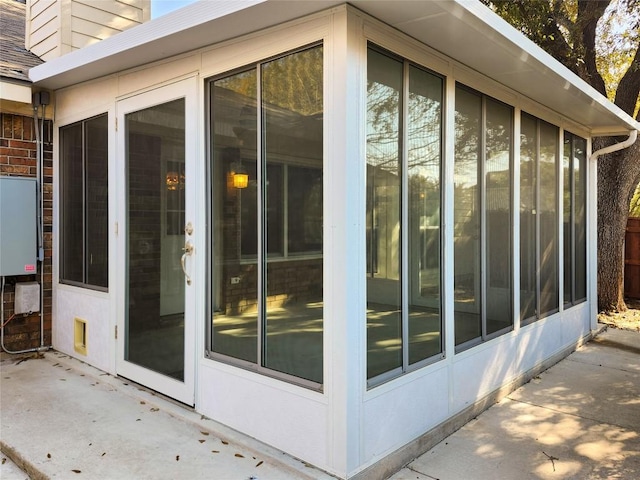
[{"x": 18, "y": 223}]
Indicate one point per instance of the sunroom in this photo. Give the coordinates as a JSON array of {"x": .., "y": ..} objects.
[{"x": 339, "y": 228}]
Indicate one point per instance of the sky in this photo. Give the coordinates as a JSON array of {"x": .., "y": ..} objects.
[{"x": 161, "y": 7}]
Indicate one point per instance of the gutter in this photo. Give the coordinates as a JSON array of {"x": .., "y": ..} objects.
[{"x": 633, "y": 136}]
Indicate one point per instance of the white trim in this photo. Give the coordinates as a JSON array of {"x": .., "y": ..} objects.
[{"x": 517, "y": 62}]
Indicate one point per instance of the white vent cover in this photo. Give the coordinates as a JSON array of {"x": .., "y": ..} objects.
[{"x": 27, "y": 297}]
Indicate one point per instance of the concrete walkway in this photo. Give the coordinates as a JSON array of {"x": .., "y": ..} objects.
[
  {"x": 578, "y": 420},
  {"x": 62, "y": 419}
]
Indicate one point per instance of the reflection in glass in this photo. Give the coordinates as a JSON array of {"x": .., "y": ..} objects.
[
  {"x": 423, "y": 164},
  {"x": 467, "y": 279},
  {"x": 155, "y": 282},
  {"x": 580, "y": 217},
  {"x": 292, "y": 113},
  {"x": 235, "y": 217},
  {"x": 574, "y": 219},
  {"x": 548, "y": 220},
  {"x": 497, "y": 249},
  {"x": 384, "y": 301},
  {"x": 482, "y": 216},
  {"x": 528, "y": 208},
  {"x": 267, "y": 236}
]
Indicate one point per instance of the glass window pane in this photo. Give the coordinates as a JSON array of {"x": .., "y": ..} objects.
[
  {"x": 155, "y": 283},
  {"x": 549, "y": 241},
  {"x": 72, "y": 203},
  {"x": 580, "y": 212},
  {"x": 384, "y": 301},
  {"x": 292, "y": 112},
  {"x": 528, "y": 186},
  {"x": 498, "y": 137},
  {"x": 567, "y": 223},
  {"x": 467, "y": 279},
  {"x": 97, "y": 199},
  {"x": 235, "y": 218},
  {"x": 424, "y": 137},
  {"x": 304, "y": 208}
]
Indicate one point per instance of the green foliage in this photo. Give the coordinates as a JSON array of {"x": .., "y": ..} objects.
[{"x": 596, "y": 39}]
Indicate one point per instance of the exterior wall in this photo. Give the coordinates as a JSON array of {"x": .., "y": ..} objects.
[
  {"x": 71, "y": 302},
  {"x": 57, "y": 27},
  {"x": 345, "y": 429},
  {"x": 18, "y": 158}
]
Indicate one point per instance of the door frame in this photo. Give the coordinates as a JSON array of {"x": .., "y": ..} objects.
[{"x": 194, "y": 292}]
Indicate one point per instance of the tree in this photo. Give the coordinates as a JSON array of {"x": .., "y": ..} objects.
[{"x": 598, "y": 40}]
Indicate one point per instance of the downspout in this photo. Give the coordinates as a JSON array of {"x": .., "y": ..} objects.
[{"x": 633, "y": 136}]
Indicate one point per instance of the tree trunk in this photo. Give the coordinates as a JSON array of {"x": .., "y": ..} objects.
[{"x": 617, "y": 174}]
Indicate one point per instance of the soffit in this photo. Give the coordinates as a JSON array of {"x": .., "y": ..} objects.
[{"x": 463, "y": 30}]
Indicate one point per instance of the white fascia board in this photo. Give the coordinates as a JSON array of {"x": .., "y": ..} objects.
[
  {"x": 15, "y": 92},
  {"x": 454, "y": 27},
  {"x": 543, "y": 62}
]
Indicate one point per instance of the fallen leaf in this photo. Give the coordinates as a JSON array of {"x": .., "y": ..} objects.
[
  {"x": 239, "y": 455},
  {"x": 259, "y": 463},
  {"x": 76, "y": 471}
]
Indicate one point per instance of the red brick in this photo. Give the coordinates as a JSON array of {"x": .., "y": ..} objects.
[
  {"x": 17, "y": 126},
  {"x": 22, "y": 170},
  {"x": 7, "y": 125},
  {"x": 22, "y": 144},
  {"x": 15, "y": 152}
]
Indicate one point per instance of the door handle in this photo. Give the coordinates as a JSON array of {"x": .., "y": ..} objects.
[{"x": 188, "y": 251}]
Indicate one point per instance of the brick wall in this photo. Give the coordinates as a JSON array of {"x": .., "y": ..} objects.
[{"x": 18, "y": 158}]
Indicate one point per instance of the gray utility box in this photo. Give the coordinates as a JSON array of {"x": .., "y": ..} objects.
[{"x": 18, "y": 221}]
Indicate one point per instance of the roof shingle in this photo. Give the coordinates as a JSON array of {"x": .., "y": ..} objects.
[{"x": 15, "y": 59}]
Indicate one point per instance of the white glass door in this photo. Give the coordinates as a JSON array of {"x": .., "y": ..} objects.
[{"x": 156, "y": 157}]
